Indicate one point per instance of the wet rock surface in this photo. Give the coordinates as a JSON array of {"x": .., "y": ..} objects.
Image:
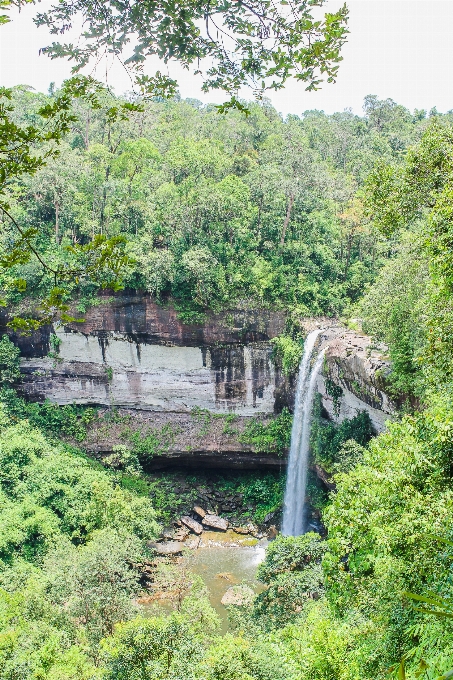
[
  {"x": 166, "y": 548},
  {"x": 354, "y": 377}
]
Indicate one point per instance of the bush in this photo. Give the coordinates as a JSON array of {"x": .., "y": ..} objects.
[
  {"x": 70, "y": 420},
  {"x": 272, "y": 437},
  {"x": 289, "y": 352},
  {"x": 9, "y": 361},
  {"x": 327, "y": 439}
]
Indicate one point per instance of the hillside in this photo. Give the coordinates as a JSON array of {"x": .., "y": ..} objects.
[{"x": 343, "y": 218}]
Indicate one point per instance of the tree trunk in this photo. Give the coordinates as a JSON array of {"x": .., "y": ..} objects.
[
  {"x": 87, "y": 132},
  {"x": 57, "y": 221},
  {"x": 287, "y": 219}
]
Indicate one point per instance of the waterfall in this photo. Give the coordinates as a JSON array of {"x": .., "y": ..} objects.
[{"x": 296, "y": 478}]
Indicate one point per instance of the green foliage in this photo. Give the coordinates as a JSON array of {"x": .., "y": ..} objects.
[
  {"x": 123, "y": 458},
  {"x": 293, "y": 573},
  {"x": 25, "y": 149},
  {"x": 271, "y": 437},
  {"x": 95, "y": 582},
  {"x": 9, "y": 361},
  {"x": 331, "y": 444},
  {"x": 290, "y": 553},
  {"x": 299, "y": 45},
  {"x": 413, "y": 314},
  {"x": 169, "y": 201},
  {"x": 265, "y": 493},
  {"x": 69, "y": 538},
  {"x": 168, "y": 645},
  {"x": 70, "y": 420},
  {"x": 59, "y": 491},
  {"x": 394, "y": 309},
  {"x": 239, "y": 658},
  {"x": 289, "y": 351},
  {"x": 336, "y": 392},
  {"x": 150, "y": 442},
  {"x": 174, "y": 493}
]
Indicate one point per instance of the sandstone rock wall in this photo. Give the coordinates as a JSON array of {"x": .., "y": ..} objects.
[
  {"x": 359, "y": 369},
  {"x": 135, "y": 355},
  {"x": 132, "y": 353}
]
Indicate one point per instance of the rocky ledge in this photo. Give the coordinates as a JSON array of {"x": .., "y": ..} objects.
[
  {"x": 136, "y": 356},
  {"x": 203, "y": 528},
  {"x": 354, "y": 377}
]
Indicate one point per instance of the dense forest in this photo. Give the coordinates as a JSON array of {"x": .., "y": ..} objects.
[
  {"x": 213, "y": 209},
  {"x": 334, "y": 215}
]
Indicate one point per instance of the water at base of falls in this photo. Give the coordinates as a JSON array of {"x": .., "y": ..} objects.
[{"x": 296, "y": 479}]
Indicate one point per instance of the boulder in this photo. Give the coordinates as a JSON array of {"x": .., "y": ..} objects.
[
  {"x": 181, "y": 534},
  {"x": 192, "y": 524},
  {"x": 241, "y": 530},
  {"x": 199, "y": 511},
  {"x": 238, "y": 595},
  {"x": 167, "y": 548},
  {"x": 215, "y": 522},
  {"x": 272, "y": 532}
]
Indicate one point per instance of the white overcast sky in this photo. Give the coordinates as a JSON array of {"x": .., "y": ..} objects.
[{"x": 401, "y": 49}]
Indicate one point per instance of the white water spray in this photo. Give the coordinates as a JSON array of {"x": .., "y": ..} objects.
[{"x": 296, "y": 479}]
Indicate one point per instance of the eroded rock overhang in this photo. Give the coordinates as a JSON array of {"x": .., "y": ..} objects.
[{"x": 137, "y": 356}]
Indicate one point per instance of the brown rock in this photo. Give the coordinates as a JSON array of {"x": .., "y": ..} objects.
[
  {"x": 241, "y": 530},
  {"x": 238, "y": 595},
  {"x": 200, "y": 512},
  {"x": 192, "y": 524},
  {"x": 215, "y": 522},
  {"x": 272, "y": 532},
  {"x": 181, "y": 534},
  {"x": 168, "y": 535}
]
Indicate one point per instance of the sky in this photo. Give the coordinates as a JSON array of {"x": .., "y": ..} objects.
[{"x": 402, "y": 49}]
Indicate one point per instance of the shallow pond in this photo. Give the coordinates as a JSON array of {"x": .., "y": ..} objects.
[
  {"x": 222, "y": 560},
  {"x": 223, "y": 567}
]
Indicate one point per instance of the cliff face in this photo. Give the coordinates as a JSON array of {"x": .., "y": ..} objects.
[
  {"x": 353, "y": 378},
  {"x": 138, "y": 357},
  {"x": 132, "y": 353}
]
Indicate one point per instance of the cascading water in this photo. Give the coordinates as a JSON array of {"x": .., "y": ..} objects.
[{"x": 296, "y": 479}]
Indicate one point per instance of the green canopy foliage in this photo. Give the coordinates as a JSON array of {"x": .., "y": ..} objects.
[{"x": 206, "y": 210}]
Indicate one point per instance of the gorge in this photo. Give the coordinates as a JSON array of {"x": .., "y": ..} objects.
[{"x": 174, "y": 266}]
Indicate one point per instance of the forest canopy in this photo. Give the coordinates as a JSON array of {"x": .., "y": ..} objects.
[{"x": 203, "y": 209}]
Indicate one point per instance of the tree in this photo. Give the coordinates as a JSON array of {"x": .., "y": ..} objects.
[
  {"x": 95, "y": 582},
  {"x": 253, "y": 43},
  {"x": 164, "y": 646},
  {"x": 25, "y": 149}
]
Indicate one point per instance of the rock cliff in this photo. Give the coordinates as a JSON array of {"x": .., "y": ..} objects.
[
  {"x": 354, "y": 378},
  {"x": 130, "y": 352},
  {"x": 134, "y": 355}
]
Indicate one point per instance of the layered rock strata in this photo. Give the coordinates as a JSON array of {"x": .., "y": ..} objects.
[
  {"x": 354, "y": 378},
  {"x": 134, "y": 355}
]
